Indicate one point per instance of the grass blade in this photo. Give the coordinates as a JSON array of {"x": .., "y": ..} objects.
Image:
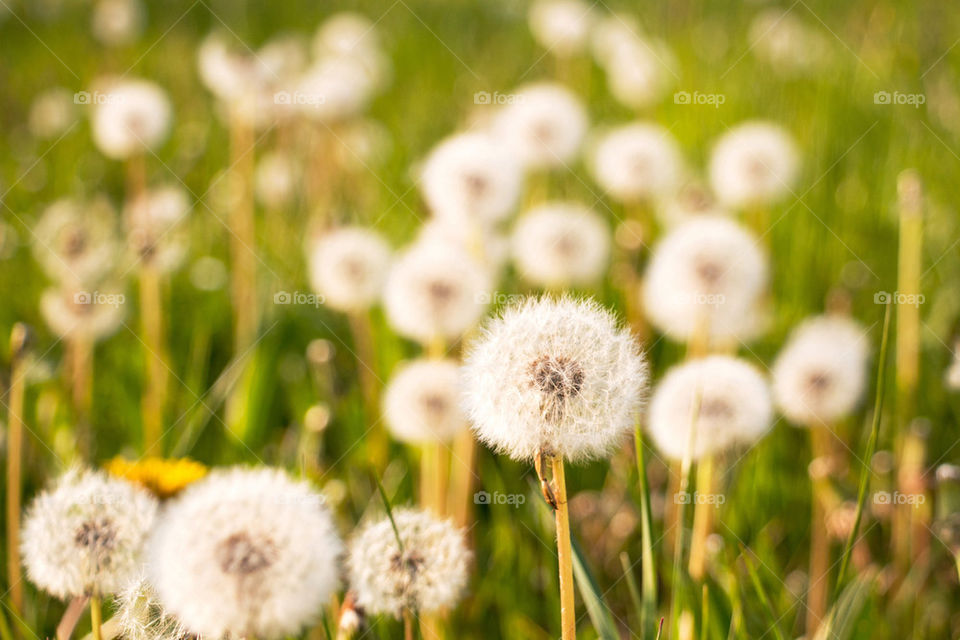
[
  {"x": 839, "y": 624},
  {"x": 871, "y": 447},
  {"x": 648, "y": 611},
  {"x": 386, "y": 505},
  {"x": 597, "y": 609},
  {"x": 774, "y": 620},
  {"x": 632, "y": 586}
]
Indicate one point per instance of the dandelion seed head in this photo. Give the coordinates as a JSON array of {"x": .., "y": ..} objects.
[
  {"x": 543, "y": 125},
  {"x": 821, "y": 372},
  {"x": 117, "y": 22},
  {"x": 730, "y": 398},
  {"x": 52, "y": 113},
  {"x": 348, "y": 267},
  {"x": 637, "y": 161},
  {"x": 428, "y": 575},
  {"x": 133, "y": 116},
  {"x": 141, "y": 616},
  {"x": 556, "y": 376},
  {"x": 94, "y": 315},
  {"x": 154, "y": 226},
  {"x": 275, "y": 180},
  {"x": 435, "y": 291},
  {"x": 86, "y": 535},
  {"x": 561, "y": 244},
  {"x": 708, "y": 273},
  {"x": 422, "y": 402},
  {"x": 562, "y": 27},
  {"x": 487, "y": 245},
  {"x": 245, "y": 552},
  {"x": 470, "y": 178},
  {"x": 77, "y": 240},
  {"x": 753, "y": 164},
  {"x": 337, "y": 88}
]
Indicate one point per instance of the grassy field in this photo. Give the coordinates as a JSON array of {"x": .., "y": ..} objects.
[{"x": 833, "y": 242}]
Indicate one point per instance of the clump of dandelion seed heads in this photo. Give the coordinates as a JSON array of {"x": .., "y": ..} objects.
[
  {"x": 427, "y": 575},
  {"x": 422, "y": 402},
  {"x": 821, "y": 373},
  {"x": 470, "y": 178},
  {"x": 637, "y": 161},
  {"x": 245, "y": 552},
  {"x": 434, "y": 291},
  {"x": 348, "y": 267},
  {"x": 707, "y": 274},
  {"x": 556, "y": 376},
  {"x": 543, "y": 125},
  {"x": 86, "y": 535},
  {"x": 753, "y": 164},
  {"x": 133, "y": 116},
  {"x": 731, "y": 401},
  {"x": 561, "y": 244}
]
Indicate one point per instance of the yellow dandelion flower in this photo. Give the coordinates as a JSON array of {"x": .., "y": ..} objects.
[{"x": 164, "y": 477}]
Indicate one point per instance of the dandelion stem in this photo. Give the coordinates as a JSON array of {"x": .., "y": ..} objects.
[
  {"x": 154, "y": 397},
  {"x": 407, "y": 625},
  {"x": 568, "y": 623},
  {"x": 18, "y": 347},
  {"x": 702, "y": 518},
  {"x": 95, "y": 618},
  {"x": 362, "y": 330},
  {"x": 818, "y": 574},
  {"x": 80, "y": 361},
  {"x": 461, "y": 489},
  {"x": 242, "y": 232}
]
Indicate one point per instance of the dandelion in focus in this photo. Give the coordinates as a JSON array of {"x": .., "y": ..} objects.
[{"x": 141, "y": 616}]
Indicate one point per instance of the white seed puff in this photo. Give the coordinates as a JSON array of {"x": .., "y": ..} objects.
[
  {"x": 470, "y": 178},
  {"x": 543, "y": 124},
  {"x": 77, "y": 240},
  {"x": 708, "y": 273},
  {"x": 562, "y": 27},
  {"x": 141, "y": 616},
  {"x": 821, "y": 373},
  {"x": 422, "y": 402},
  {"x": 93, "y": 315},
  {"x": 753, "y": 164},
  {"x": 131, "y": 117},
  {"x": 561, "y": 244},
  {"x": 348, "y": 267},
  {"x": 556, "y": 376},
  {"x": 86, "y": 536},
  {"x": 428, "y": 575},
  {"x": 637, "y": 161},
  {"x": 435, "y": 291},
  {"x": 245, "y": 552},
  {"x": 730, "y": 397}
]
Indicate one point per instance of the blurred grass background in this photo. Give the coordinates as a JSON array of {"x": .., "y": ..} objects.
[{"x": 838, "y": 235}]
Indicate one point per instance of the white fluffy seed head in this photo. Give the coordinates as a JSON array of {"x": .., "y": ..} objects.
[
  {"x": 422, "y": 402},
  {"x": 154, "y": 224},
  {"x": 117, "y": 22},
  {"x": 93, "y": 315},
  {"x": 77, "y": 241},
  {"x": 731, "y": 401},
  {"x": 245, "y": 552},
  {"x": 562, "y": 27},
  {"x": 556, "y": 376},
  {"x": 470, "y": 178},
  {"x": 821, "y": 373},
  {"x": 86, "y": 536},
  {"x": 275, "y": 179},
  {"x": 348, "y": 267},
  {"x": 352, "y": 35},
  {"x": 335, "y": 88},
  {"x": 488, "y": 246},
  {"x": 428, "y": 575},
  {"x": 435, "y": 292},
  {"x": 690, "y": 200},
  {"x": 787, "y": 43},
  {"x": 639, "y": 69},
  {"x": 132, "y": 117},
  {"x": 707, "y": 274},
  {"x": 561, "y": 244},
  {"x": 753, "y": 164},
  {"x": 52, "y": 113},
  {"x": 141, "y": 616},
  {"x": 637, "y": 161},
  {"x": 543, "y": 125}
]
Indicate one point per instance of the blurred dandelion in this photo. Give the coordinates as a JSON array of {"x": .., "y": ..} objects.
[
  {"x": 562, "y": 27},
  {"x": 132, "y": 117},
  {"x": 753, "y": 165},
  {"x": 639, "y": 161}
]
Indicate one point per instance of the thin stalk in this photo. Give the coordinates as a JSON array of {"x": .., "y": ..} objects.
[
  {"x": 18, "y": 348},
  {"x": 703, "y": 512},
  {"x": 407, "y": 625},
  {"x": 96, "y": 619},
  {"x": 648, "y": 570},
  {"x": 242, "y": 233},
  {"x": 80, "y": 362},
  {"x": 684, "y": 491},
  {"x": 818, "y": 574},
  {"x": 871, "y": 446},
  {"x": 909, "y": 267},
  {"x": 568, "y": 622},
  {"x": 155, "y": 391},
  {"x": 461, "y": 480},
  {"x": 362, "y": 329}
]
